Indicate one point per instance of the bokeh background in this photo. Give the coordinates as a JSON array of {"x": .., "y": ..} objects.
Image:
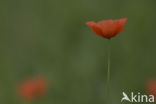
[{"x": 50, "y": 38}]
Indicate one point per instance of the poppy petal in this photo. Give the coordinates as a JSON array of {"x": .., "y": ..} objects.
[{"x": 95, "y": 28}]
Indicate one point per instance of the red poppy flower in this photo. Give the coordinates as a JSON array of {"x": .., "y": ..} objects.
[
  {"x": 151, "y": 87},
  {"x": 107, "y": 28},
  {"x": 33, "y": 87}
]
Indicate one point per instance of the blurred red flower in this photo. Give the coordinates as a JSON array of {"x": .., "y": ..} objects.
[
  {"x": 151, "y": 87},
  {"x": 107, "y": 28},
  {"x": 32, "y": 88}
]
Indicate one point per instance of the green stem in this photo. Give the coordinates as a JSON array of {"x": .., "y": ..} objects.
[{"x": 108, "y": 70}]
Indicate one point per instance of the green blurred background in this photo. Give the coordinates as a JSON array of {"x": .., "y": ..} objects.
[{"x": 50, "y": 38}]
